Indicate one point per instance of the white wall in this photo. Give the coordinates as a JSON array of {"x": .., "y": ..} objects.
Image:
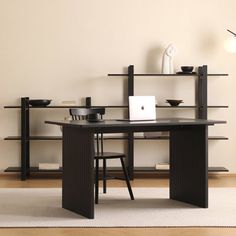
[{"x": 63, "y": 50}]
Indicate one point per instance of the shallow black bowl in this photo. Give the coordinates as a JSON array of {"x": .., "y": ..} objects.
[
  {"x": 174, "y": 103},
  {"x": 187, "y": 69},
  {"x": 39, "y": 102}
]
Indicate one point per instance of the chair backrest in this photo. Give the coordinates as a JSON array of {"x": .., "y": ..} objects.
[
  {"x": 92, "y": 114},
  {"x": 87, "y": 113}
]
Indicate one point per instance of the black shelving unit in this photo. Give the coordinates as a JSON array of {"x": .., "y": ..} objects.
[
  {"x": 201, "y": 100},
  {"x": 25, "y": 137},
  {"x": 201, "y": 107}
]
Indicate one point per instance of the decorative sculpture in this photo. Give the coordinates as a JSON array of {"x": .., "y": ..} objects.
[{"x": 167, "y": 60}]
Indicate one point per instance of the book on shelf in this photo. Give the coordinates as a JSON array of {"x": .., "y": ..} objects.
[
  {"x": 49, "y": 166},
  {"x": 162, "y": 166},
  {"x": 156, "y": 134},
  {"x": 152, "y": 134},
  {"x": 139, "y": 134},
  {"x": 122, "y": 135},
  {"x": 108, "y": 135}
]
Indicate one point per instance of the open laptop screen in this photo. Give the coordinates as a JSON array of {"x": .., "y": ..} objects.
[{"x": 142, "y": 108}]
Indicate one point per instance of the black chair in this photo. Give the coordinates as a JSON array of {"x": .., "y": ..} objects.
[{"x": 96, "y": 115}]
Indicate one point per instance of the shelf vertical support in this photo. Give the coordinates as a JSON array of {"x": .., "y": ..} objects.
[
  {"x": 130, "y": 159},
  {"x": 25, "y": 152},
  {"x": 202, "y": 92}
]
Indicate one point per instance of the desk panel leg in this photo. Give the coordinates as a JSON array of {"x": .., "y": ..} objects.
[
  {"x": 78, "y": 171},
  {"x": 130, "y": 159},
  {"x": 189, "y": 165}
]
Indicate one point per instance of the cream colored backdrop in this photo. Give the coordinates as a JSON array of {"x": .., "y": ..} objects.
[{"x": 64, "y": 49}]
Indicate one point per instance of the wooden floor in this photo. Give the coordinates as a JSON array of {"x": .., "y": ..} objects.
[{"x": 12, "y": 181}]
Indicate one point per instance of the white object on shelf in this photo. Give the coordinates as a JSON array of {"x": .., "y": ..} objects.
[
  {"x": 162, "y": 166},
  {"x": 167, "y": 60},
  {"x": 139, "y": 134},
  {"x": 114, "y": 135},
  {"x": 49, "y": 166}
]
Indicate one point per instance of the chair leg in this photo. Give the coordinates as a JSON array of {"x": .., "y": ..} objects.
[
  {"x": 127, "y": 179},
  {"x": 104, "y": 176},
  {"x": 96, "y": 181}
]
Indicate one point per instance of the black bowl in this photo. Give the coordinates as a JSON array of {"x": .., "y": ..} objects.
[
  {"x": 174, "y": 103},
  {"x": 39, "y": 102},
  {"x": 187, "y": 69}
]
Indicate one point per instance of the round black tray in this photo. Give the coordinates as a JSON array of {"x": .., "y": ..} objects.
[{"x": 39, "y": 102}]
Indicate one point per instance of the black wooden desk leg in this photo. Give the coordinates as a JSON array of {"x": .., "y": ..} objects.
[
  {"x": 130, "y": 159},
  {"x": 189, "y": 165},
  {"x": 78, "y": 171}
]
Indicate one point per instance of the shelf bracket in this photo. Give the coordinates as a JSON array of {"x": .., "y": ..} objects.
[
  {"x": 25, "y": 145},
  {"x": 201, "y": 93},
  {"x": 130, "y": 159}
]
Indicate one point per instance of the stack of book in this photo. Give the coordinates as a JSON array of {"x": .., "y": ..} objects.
[
  {"x": 162, "y": 166},
  {"x": 49, "y": 166},
  {"x": 152, "y": 134}
]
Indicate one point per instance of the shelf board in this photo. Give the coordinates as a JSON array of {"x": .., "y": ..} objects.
[
  {"x": 152, "y": 169},
  {"x": 195, "y": 107},
  {"x": 167, "y": 75},
  {"x": 32, "y": 169},
  {"x": 163, "y": 137},
  {"x": 224, "y": 74},
  {"x": 35, "y": 138},
  {"x": 217, "y": 106},
  {"x": 175, "y": 107},
  {"x": 68, "y": 107},
  {"x": 218, "y": 138},
  {"x": 118, "y": 106},
  {"x": 136, "y": 169}
]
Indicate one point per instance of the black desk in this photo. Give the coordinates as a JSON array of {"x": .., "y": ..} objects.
[{"x": 188, "y": 159}]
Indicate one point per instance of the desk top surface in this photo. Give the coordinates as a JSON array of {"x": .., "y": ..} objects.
[{"x": 125, "y": 123}]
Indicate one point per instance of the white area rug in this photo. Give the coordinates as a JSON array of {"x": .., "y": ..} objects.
[{"x": 41, "y": 207}]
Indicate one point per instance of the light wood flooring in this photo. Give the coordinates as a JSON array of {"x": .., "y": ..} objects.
[{"x": 12, "y": 181}]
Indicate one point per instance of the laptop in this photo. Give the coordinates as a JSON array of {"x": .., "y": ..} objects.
[{"x": 141, "y": 108}]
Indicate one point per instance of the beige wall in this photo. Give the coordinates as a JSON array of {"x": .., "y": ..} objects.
[{"x": 63, "y": 50}]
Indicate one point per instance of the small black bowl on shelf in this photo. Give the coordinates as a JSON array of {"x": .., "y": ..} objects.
[
  {"x": 39, "y": 102},
  {"x": 174, "y": 103},
  {"x": 187, "y": 69}
]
